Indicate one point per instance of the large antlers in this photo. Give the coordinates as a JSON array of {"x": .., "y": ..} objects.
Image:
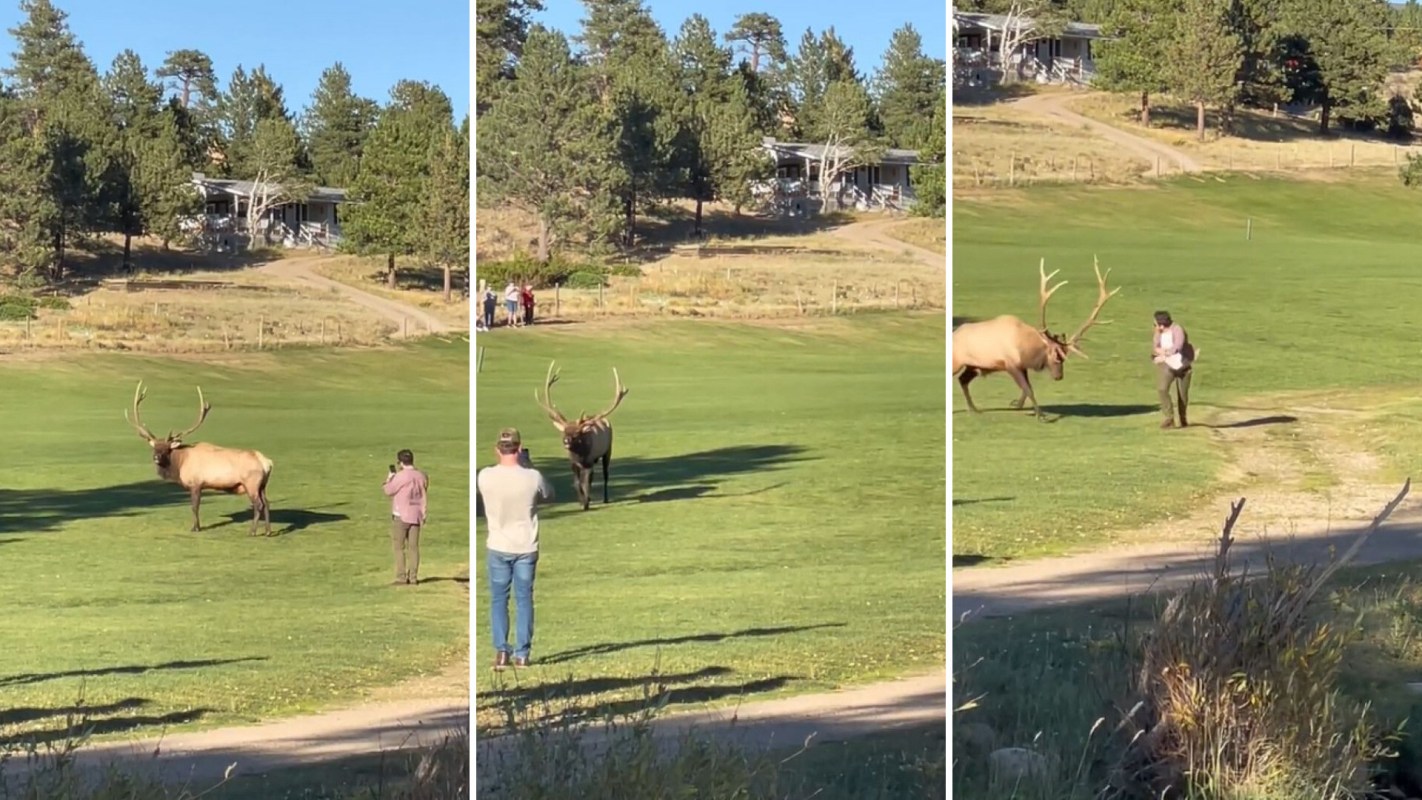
[
  {"x": 546, "y": 402},
  {"x": 1044, "y": 292},
  {"x": 139, "y": 393},
  {"x": 1101, "y": 297},
  {"x": 548, "y": 407}
]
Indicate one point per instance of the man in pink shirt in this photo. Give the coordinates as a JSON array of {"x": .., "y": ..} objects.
[{"x": 407, "y": 488}]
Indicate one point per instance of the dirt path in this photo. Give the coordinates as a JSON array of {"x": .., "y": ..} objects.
[
  {"x": 1053, "y": 107},
  {"x": 300, "y": 269},
  {"x": 871, "y": 232},
  {"x": 1312, "y": 484},
  {"x": 826, "y": 717}
]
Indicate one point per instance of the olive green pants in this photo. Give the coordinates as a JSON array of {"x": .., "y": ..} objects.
[
  {"x": 1165, "y": 378},
  {"x": 405, "y": 536}
]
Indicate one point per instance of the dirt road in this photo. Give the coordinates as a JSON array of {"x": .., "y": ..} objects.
[
  {"x": 300, "y": 269},
  {"x": 1053, "y": 108}
]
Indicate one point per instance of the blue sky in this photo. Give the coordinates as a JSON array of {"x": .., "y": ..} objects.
[
  {"x": 378, "y": 42},
  {"x": 866, "y": 27}
]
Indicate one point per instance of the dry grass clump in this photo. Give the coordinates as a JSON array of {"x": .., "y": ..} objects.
[{"x": 1238, "y": 690}]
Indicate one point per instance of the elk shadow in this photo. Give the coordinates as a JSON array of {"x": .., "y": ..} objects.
[
  {"x": 617, "y": 647},
  {"x": 284, "y": 520},
  {"x": 963, "y": 320},
  {"x": 975, "y": 559},
  {"x": 976, "y": 500},
  {"x": 23, "y": 715},
  {"x": 131, "y": 669},
  {"x": 1276, "y": 419},
  {"x": 44, "y": 510}
]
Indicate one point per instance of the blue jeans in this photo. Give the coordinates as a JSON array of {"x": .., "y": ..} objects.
[{"x": 518, "y": 570}]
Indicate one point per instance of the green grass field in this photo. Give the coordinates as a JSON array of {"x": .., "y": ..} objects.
[
  {"x": 1322, "y": 298},
  {"x": 111, "y": 595},
  {"x": 776, "y": 522}
]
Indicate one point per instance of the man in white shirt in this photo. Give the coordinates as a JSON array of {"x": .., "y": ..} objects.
[
  {"x": 1174, "y": 359},
  {"x": 512, "y": 490}
]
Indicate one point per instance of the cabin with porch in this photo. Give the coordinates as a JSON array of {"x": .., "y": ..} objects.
[
  {"x": 1061, "y": 58},
  {"x": 314, "y": 221},
  {"x": 883, "y": 185}
]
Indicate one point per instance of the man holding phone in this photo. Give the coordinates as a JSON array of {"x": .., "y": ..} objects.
[
  {"x": 512, "y": 490},
  {"x": 407, "y": 488}
]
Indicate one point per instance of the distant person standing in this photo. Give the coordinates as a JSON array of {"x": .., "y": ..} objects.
[
  {"x": 512, "y": 490},
  {"x": 490, "y": 302},
  {"x": 511, "y": 298},
  {"x": 526, "y": 298},
  {"x": 1174, "y": 358},
  {"x": 407, "y": 489}
]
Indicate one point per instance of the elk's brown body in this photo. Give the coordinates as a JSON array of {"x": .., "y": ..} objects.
[
  {"x": 587, "y": 440},
  {"x": 1007, "y": 344},
  {"x": 203, "y": 467}
]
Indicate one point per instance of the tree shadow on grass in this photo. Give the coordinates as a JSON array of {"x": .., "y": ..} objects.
[
  {"x": 134, "y": 669},
  {"x": 615, "y": 647},
  {"x": 572, "y": 701},
  {"x": 975, "y": 500},
  {"x": 40, "y": 510},
  {"x": 23, "y": 715},
  {"x": 83, "y": 724},
  {"x": 974, "y": 559},
  {"x": 284, "y": 520}
]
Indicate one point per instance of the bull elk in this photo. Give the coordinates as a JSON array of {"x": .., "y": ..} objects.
[
  {"x": 1007, "y": 344},
  {"x": 202, "y": 466},
  {"x": 588, "y": 440}
]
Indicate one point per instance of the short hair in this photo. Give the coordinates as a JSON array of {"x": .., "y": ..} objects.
[
  {"x": 1163, "y": 318},
  {"x": 405, "y": 457}
]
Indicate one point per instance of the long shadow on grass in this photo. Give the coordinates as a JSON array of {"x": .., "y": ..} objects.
[
  {"x": 747, "y": 633},
  {"x": 657, "y": 479},
  {"x": 566, "y": 700},
  {"x": 284, "y": 520},
  {"x": 1100, "y": 410},
  {"x": 1276, "y": 419},
  {"x": 100, "y": 727},
  {"x": 132, "y": 669},
  {"x": 39, "y": 510},
  {"x": 20, "y": 716}
]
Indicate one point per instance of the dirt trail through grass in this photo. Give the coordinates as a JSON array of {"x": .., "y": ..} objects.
[
  {"x": 871, "y": 232},
  {"x": 1053, "y": 107},
  {"x": 1312, "y": 487},
  {"x": 397, "y": 312}
]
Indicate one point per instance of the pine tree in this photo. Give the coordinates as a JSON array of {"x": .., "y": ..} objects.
[
  {"x": 335, "y": 127},
  {"x": 133, "y": 102},
  {"x": 908, "y": 85},
  {"x": 929, "y": 175},
  {"x": 1342, "y": 49},
  {"x": 1205, "y": 57},
  {"x": 1131, "y": 60},
  {"x": 28, "y": 211},
  {"x": 249, "y": 99},
  {"x": 760, "y": 36},
  {"x": 501, "y": 28},
  {"x": 446, "y": 208},
  {"x": 394, "y": 171},
  {"x": 547, "y": 147}
]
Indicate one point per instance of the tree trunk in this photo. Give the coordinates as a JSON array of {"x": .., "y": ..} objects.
[
  {"x": 630, "y": 207},
  {"x": 187, "y": 91},
  {"x": 166, "y": 243},
  {"x": 698, "y": 217},
  {"x": 390, "y": 270},
  {"x": 127, "y": 252},
  {"x": 1200, "y": 120},
  {"x": 448, "y": 283},
  {"x": 1324, "y": 112},
  {"x": 1145, "y": 109},
  {"x": 543, "y": 248},
  {"x": 59, "y": 253}
]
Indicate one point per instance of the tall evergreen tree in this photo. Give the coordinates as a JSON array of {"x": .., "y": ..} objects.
[
  {"x": 908, "y": 86},
  {"x": 335, "y": 127},
  {"x": 394, "y": 171},
  {"x": 501, "y": 28},
  {"x": 1205, "y": 57},
  {"x": 1131, "y": 61},
  {"x": 1341, "y": 52},
  {"x": 250, "y": 98},
  {"x": 759, "y": 36},
  {"x": 446, "y": 208}
]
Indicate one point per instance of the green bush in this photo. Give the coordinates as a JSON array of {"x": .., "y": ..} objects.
[
  {"x": 585, "y": 279},
  {"x": 54, "y": 303},
  {"x": 558, "y": 271},
  {"x": 14, "y": 308}
]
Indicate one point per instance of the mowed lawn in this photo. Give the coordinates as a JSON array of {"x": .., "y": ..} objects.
[
  {"x": 109, "y": 595},
  {"x": 777, "y": 519},
  {"x": 1323, "y": 296}
]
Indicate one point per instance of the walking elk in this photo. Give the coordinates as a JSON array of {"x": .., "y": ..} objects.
[
  {"x": 1007, "y": 344},
  {"x": 202, "y": 466},
  {"x": 588, "y": 440}
]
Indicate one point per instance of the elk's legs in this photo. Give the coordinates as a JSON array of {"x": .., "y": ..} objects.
[
  {"x": 197, "y": 501},
  {"x": 606, "y": 458},
  {"x": 1027, "y": 394},
  {"x": 964, "y": 378},
  {"x": 266, "y": 511}
]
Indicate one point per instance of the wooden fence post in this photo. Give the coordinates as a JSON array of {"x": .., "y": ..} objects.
[
  {"x": 834, "y": 297},
  {"x": 1012, "y": 168},
  {"x": 261, "y": 330}
]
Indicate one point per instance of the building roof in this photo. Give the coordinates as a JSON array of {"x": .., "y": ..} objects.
[
  {"x": 998, "y": 22},
  {"x": 323, "y": 194},
  {"x": 816, "y": 152}
]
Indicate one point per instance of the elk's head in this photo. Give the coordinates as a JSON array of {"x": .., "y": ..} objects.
[
  {"x": 577, "y": 432},
  {"x": 1060, "y": 346},
  {"x": 163, "y": 447}
]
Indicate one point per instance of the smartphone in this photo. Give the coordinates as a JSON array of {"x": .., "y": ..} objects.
[{"x": 392, "y": 468}]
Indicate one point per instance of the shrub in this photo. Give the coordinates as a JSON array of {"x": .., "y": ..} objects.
[
  {"x": 54, "y": 303},
  {"x": 558, "y": 271},
  {"x": 15, "y": 308}
]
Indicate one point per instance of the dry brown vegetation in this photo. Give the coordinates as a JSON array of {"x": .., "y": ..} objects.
[
  {"x": 213, "y": 303},
  {"x": 986, "y": 139},
  {"x": 752, "y": 267},
  {"x": 418, "y": 285},
  {"x": 1261, "y": 141}
]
